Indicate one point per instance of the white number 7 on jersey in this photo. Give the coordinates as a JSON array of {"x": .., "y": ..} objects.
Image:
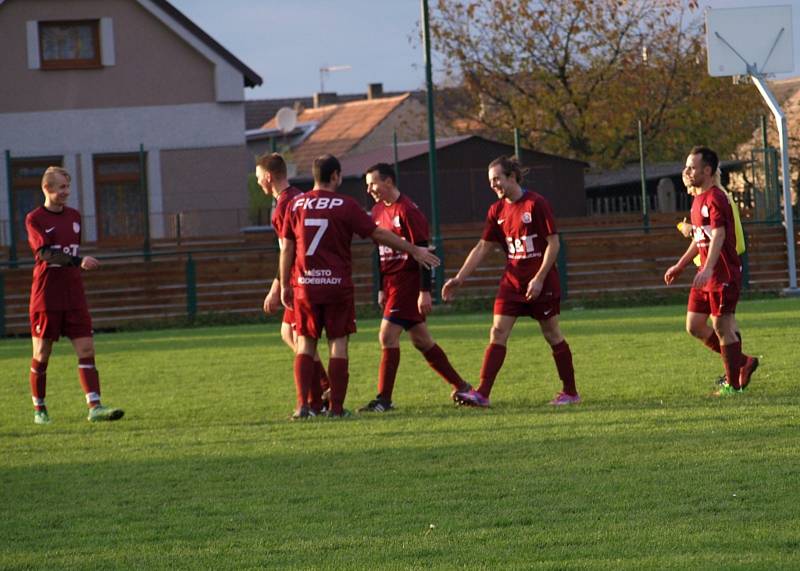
[{"x": 322, "y": 224}]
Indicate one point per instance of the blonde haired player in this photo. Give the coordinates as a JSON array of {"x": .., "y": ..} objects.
[{"x": 58, "y": 303}]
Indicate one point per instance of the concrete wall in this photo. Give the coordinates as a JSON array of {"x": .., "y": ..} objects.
[{"x": 210, "y": 186}]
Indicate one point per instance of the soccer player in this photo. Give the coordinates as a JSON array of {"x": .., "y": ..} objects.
[
  {"x": 317, "y": 237},
  {"x": 405, "y": 293},
  {"x": 686, "y": 230},
  {"x": 522, "y": 222},
  {"x": 272, "y": 177},
  {"x": 58, "y": 303},
  {"x": 716, "y": 286}
]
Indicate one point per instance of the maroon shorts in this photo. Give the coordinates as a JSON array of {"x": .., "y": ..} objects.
[
  {"x": 288, "y": 316},
  {"x": 401, "y": 294},
  {"x": 714, "y": 303},
  {"x": 337, "y": 319},
  {"x": 74, "y": 324},
  {"x": 514, "y": 304}
]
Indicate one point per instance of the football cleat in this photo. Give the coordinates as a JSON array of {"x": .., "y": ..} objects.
[
  {"x": 102, "y": 413},
  {"x": 747, "y": 370},
  {"x": 377, "y": 405},
  {"x": 727, "y": 390},
  {"x": 326, "y": 400},
  {"x": 721, "y": 380},
  {"x": 563, "y": 398},
  {"x": 470, "y": 397},
  {"x": 303, "y": 413},
  {"x": 41, "y": 417}
]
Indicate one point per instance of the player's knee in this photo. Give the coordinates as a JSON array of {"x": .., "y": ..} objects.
[
  {"x": 696, "y": 330},
  {"x": 498, "y": 335}
]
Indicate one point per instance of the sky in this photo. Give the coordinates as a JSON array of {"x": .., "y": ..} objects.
[{"x": 287, "y": 42}]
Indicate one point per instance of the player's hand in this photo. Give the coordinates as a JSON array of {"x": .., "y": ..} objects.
[
  {"x": 701, "y": 278},
  {"x": 450, "y": 287},
  {"x": 425, "y": 257},
  {"x": 272, "y": 302},
  {"x": 287, "y": 297},
  {"x": 90, "y": 263},
  {"x": 672, "y": 273},
  {"x": 424, "y": 302},
  {"x": 381, "y": 299},
  {"x": 685, "y": 228},
  {"x": 534, "y": 288}
]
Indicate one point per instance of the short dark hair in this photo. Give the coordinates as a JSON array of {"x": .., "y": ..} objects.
[
  {"x": 324, "y": 167},
  {"x": 708, "y": 157},
  {"x": 510, "y": 165},
  {"x": 385, "y": 170},
  {"x": 273, "y": 163}
]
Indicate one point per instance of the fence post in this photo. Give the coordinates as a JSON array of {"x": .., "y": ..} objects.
[
  {"x": 144, "y": 190},
  {"x": 191, "y": 289},
  {"x": 2, "y": 304},
  {"x": 12, "y": 229},
  {"x": 561, "y": 263}
]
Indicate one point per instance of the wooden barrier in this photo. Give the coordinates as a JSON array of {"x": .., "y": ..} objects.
[{"x": 600, "y": 262}]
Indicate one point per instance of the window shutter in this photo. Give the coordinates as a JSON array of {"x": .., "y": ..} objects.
[
  {"x": 34, "y": 61},
  {"x": 107, "y": 56}
]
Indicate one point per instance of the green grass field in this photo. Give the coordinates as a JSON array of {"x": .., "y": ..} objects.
[{"x": 206, "y": 472}]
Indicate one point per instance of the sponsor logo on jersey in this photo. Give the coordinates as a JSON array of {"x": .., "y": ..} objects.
[
  {"x": 317, "y": 203},
  {"x": 526, "y": 217},
  {"x": 396, "y": 222},
  {"x": 704, "y": 211},
  {"x": 501, "y": 220},
  {"x": 76, "y": 227},
  {"x": 48, "y": 230}
]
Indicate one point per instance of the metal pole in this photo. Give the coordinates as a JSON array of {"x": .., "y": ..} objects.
[
  {"x": 396, "y": 167},
  {"x": 12, "y": 232},
  {"x": 439, "y": 273},
  {"x": 143, "y": 188},
  {"x": 645, "y": 215},
  {"x": 516, "y": 144},
  {"x": 2, "y": 305},
  {"x": 788, "y": 215}
]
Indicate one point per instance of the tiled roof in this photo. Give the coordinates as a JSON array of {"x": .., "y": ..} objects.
[
  {"x": 340, "y": 127},
  {"x": 259, "y": 111}
]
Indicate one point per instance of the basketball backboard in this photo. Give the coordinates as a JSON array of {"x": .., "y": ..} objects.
[{"x": 750, "y": 40}]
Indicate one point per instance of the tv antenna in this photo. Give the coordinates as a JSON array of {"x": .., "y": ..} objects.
[{"x": 326, "y": 69}]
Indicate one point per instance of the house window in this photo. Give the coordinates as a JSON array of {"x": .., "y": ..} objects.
[
  {"x": 120, "y": 200},
  {"x": 69, "y": 44},
  {"x": 26, "y": 184}
]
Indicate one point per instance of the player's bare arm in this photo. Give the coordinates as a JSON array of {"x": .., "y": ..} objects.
[
  {"x": 272, "y": 301},
  {"x": 424, "y": 303},
  {"x": 550, "y": 256},
  {"x": 474, "y": 259},
  {"x": 714, "y": 249},
  {"x": 286, "y": 263},
  {"x": 423, "y": 256},
  {"x": 673, "y": 272}
]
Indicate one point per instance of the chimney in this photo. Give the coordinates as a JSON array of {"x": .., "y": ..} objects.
[
  {"x": 325, "y": 98},
  {"x": 374, "y": 90}
]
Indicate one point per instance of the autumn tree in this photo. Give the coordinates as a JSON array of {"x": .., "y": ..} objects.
[{"x": 575, "y": 76}]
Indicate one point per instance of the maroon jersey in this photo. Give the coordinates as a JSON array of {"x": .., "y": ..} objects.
[
  {"x": 405, "y": 219},
  {"x": 522, "y": 228},
  {"x": 55, "y": 288},
  {"x": 279, "y": 212},
  {"x": 711, "y": 209},
  {"x": 322, "y": 224}
]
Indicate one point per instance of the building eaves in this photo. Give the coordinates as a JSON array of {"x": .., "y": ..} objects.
[{"x": 251, "y": 78}]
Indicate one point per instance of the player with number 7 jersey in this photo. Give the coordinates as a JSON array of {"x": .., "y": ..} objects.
[{"x": 317, "y": 234}]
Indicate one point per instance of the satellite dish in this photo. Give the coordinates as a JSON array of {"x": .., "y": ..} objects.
[{"x": 286, "y": 118}]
